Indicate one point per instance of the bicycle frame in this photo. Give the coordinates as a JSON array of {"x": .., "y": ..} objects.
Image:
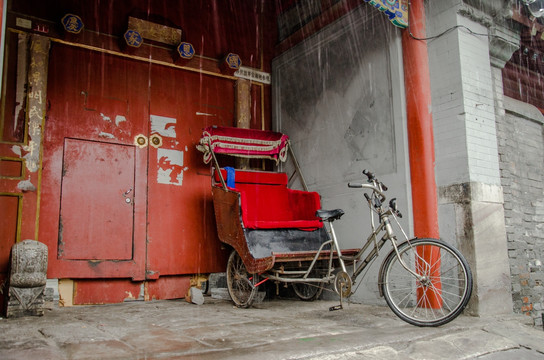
[{"x": 293, "y": 276}]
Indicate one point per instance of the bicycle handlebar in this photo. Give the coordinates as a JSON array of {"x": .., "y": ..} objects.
[
  {"x": 378, "y": 188},
  {"x": 367, "y": 186}
]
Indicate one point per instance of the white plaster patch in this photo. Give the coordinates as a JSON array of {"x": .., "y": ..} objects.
[
  {"x": 26, "y": 185},
  {"x": 16, "y": 149},
  {"x": 163, "y": 125},
  {"x": 170, "y": 166},
  {"x": 119, "y": 119},
  {"x": 106, "y": 135},
  {"x": 105, "y": 118}
]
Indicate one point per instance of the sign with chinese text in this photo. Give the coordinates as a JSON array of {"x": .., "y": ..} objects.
[
  {"x": 72, "y": 23},
  {"x": 133, "y": 38},
  {"x": 253, "y": 75},
  {"x": 233, "y": 61},
  {"x": 156, "y": 32},
  {"x": 186, "y": 50}
]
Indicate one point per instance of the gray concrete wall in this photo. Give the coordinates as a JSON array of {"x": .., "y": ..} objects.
[
  {"x": 339, "y": 96},
  {"x": 521, "y": 148}
]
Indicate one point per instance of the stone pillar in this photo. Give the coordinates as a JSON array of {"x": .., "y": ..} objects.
[
  {"x": 464, "y": 87},
  {"x": 242, "y": 106}
]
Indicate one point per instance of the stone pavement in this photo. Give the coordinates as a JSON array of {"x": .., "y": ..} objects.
[{"x": 273, "y": 329}]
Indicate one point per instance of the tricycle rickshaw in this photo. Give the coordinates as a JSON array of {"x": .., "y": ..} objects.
[{"x": 282, "y": 234}]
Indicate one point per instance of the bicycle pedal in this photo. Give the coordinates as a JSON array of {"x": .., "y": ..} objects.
[{"x": 336, "y": 307}]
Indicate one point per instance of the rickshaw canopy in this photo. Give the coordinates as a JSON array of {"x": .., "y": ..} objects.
[{"x": 245, "y": 143}]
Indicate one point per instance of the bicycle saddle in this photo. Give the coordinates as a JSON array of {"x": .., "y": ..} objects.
[{"x": 329, "y": 215}]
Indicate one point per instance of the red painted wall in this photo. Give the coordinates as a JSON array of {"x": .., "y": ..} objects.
[{"x": 93, "y": 74}]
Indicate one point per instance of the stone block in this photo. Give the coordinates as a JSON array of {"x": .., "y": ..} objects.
[
  {"x": 196, "y": 296},
  {"x": 27, "y": 280}
]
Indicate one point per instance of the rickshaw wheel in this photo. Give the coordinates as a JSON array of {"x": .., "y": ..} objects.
[
  {"x": 240, "y": 283},
  {"x": 308, "y": 291}
]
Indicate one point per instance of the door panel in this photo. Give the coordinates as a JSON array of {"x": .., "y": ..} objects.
[
  {"x": 182, "y": 236},
  {"x": 98, "y": 104},
  {"x": 106, "y": 232}
]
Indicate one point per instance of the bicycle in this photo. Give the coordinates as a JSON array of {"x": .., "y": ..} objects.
[{"x": 425, "y": 282}]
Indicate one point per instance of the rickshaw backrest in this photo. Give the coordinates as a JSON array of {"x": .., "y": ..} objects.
[
  {"x": 267, "y": 203},
  {"x": 255, "y": 177}
]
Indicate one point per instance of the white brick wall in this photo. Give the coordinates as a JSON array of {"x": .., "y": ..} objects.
[
  {"x": 447, "y": 105},
  {"x": 462, "y": 102}
]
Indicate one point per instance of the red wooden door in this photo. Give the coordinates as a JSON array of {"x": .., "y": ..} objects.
[
  {"x": 182, "y": 237},
  {"x": 97, "y": 225},
  {"x": 125, "y": 192},
  {"x": 93, "y": 208}
]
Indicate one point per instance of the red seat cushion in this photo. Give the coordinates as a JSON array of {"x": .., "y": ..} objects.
[{"x": 267, "y": 203}]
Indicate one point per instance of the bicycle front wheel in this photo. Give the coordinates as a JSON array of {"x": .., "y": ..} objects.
[{"x": 435, "y": 290}]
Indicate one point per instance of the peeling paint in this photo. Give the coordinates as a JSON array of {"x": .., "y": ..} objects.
[
  {"x": 170, "y": 163},
  {"x": 26, "y": 185},
  {"x": 16, "y": 150},
  {"x": 204, "y": 114},
  {"x": 105, "y": 118},
  {"x": 163, "y": 126},
  {"x": 106, "y": 135},
  {"x": 119, "y": 119}
]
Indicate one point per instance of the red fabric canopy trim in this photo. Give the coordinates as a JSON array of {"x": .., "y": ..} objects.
[{"x": 246, "y": 143}]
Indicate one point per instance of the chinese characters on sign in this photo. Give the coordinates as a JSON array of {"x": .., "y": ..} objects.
[
  {"x": 233, "y": 61},
  {"x": 253, "y": 75},
  {"x": 186, "y": 50},
  {"x": 396, "y": 10},
  {"x": 72, "y": 23},
  {"x": 133, "y": 38}
]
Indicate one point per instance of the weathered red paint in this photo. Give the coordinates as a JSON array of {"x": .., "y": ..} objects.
[
  {"x": 9, "y": 208},
  {"x": 103, "y": 291},
  {"x": 107, "y": 231},
  {"x": 112, "y": 209},
  {"x": 76, "y": 118},
  {"x": 167, "y": 287},
  {"x": 87, "y": 87},
  {"x": 420, "y": 131},
  {"x": 181, "y": 234}
]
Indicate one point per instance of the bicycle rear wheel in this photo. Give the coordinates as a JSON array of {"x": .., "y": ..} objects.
[
  {"x": 240, "y": 283},
  {"x": 440, "y": 293},
  {"x": 307, "y": 291}
]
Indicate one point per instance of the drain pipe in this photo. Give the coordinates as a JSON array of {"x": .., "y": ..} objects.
[{"x": 417, "y": 84}]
